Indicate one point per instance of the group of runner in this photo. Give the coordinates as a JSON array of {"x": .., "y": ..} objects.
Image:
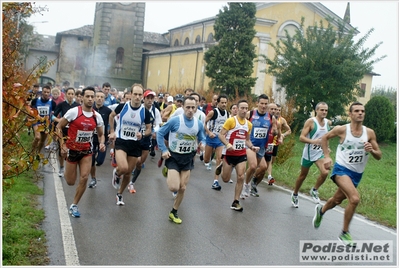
[{"x": 243, "y": 139}]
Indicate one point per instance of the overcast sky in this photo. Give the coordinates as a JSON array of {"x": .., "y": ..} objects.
[{"x": 165, "y": 15}]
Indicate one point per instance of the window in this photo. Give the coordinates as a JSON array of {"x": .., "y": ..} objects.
[
  {"x": 186, "y": 41},
  {"x": 176, "y": 43},
  {"x": 362, "y": 91},
  {"x": 120, "y": 53},
  {"x": 210, "y": 38},
  {"x": 198, "y": 39}
]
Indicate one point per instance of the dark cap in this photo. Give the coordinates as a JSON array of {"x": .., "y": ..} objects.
[
  {"x": 179, "y": 97},
  {"x": 160, "y": 95}
]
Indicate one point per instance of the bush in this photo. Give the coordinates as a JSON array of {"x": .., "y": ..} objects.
[{"x": 380, "y": 116}]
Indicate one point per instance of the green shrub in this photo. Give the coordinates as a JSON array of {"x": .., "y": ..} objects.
[{"x": 380, "y": 116}]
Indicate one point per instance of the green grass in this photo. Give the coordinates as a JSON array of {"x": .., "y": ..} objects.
[
  {"x": 377, "y": 187},
  {"x": 23, "y": 239}
]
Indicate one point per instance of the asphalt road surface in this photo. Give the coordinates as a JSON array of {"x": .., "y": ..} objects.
[{"x": 268, "y": 232}]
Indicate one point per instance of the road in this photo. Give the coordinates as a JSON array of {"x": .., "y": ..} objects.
[{"x": 267, "y": 233}]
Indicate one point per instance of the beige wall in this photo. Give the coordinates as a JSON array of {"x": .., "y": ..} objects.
[{"x": 187, "y": 69}]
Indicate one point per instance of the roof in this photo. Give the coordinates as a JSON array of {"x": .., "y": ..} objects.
[
  {"x": 44, "y": 43},
  {"x": 85, "y": 31},
  {"x": 155, "y": 38}
]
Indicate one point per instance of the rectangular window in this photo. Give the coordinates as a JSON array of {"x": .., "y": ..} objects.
[{"x": 362, "y": 91}]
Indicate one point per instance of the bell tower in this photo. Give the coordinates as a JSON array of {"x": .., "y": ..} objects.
[{"x": 117, "y": 44}]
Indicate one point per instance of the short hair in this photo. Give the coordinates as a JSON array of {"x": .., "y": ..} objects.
[
  {"x": 353, "y": 104},
  {"x": 241, "y": 101},
  {"x": 188, "y": 98},
  {"x": 46, "y": 87},
  {"x": 231, "y": 106},
  {"x": 222, "y": 96},
  {"x": 66, "y": 83},
  {"x": 320, "y": 103},
  {"x": 55, "y": 90},
  {"x": 36, "y": 85},
  {"x": 278, "y": 105},
  {"x": 203, "y": 98},
  {"x": 79, "y": 93},
  {"x": 126, "y": 93},
  {"x": 263, "y": 96},
  {"x": 70, "y": 88},
  {"x": 113, "y": 90},
  {"x": 189, "y": 89},
  {"x": 106, "y": 84},
  {"x": 137, "y": 85},
  {"x": 88, "y": 89},
  {"x": 196, "y": 94}
]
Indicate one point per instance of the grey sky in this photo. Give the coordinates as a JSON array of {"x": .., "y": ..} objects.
[{"x": 165, "y": 15}]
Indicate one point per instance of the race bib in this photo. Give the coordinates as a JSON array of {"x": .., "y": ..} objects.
[
  {"x": 316, "y": 147},
  {"x": 184, "y": 146},
  {"x": 217, "y": 129},
  {"x": 260, "y": 133},
  {"x": 84, "y": 136},
  {"x": 355, "y": 157},
  {"x": 269, "y": 148},
  {"x": 43, "y": 110},
  {"x": 238, "y": 144},
  {"x": 129, "y": 132}
]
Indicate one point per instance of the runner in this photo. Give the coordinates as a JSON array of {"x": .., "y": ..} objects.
[
  {"x": 82, "y": 120},
  {"x": 183, "y": 131},
  {"x": 99, "y": 156},
  {"x": 311, "y": 135},
  {"x": 263, "y": 123},
  {"x": 356, "y": 143},
  {"x": 213, "y": 124},
  {"x": 145, "y": 142},
  {"x": 130, "y": 118},
  {"x": 235, "y": 136}
]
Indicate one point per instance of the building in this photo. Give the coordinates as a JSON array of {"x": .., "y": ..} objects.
[{"x": 116, "y": 48}]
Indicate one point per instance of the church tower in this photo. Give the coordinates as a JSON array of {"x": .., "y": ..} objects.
[{"x": 117, "y": 44}]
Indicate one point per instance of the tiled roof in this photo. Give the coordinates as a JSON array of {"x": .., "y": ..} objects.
[
  {"x": 44, "y": 43},
  {"x": 85, "y": 31},
  {"x": 155, "y": 38}
]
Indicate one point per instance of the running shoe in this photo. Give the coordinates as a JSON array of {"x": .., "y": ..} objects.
[
  {"x": 236, "y": 206},
  {"x": 218, "y": 169},
  {"x": 131, "y": 189},
  {"x": 242, "y": 196},
  {"x": 254, "y": 192},
  {"x": 271, "y": 180},
  {"x": 315, "y": 196},
  {"x": 116, "y": 180},
  {"x": 216, "y": 186},
  {"x": 174, "y": 194},
  {"x": 246, "y": 190},
  {"x": 173, "y": 217},
  {"x": 208, "y": 166},
  {"x": 201, "y": 157},
  {"x": 160, "y": 161},
  {"x": 294, "y": 200},
  {"x": 73, "y": 210},
  {"x": 317, "y": 216},
  {"x": 152, "y": 153},
  {"x": 346, "y": 239},
  {"x": 230, "y": 181},
  {"x": 119, "y": 200},
  {"x": 61, "y": 172},
  {"x": 113, "y": 161},
  {"x": 165, "y": 171},
  {"x": 93, "y": 183}
]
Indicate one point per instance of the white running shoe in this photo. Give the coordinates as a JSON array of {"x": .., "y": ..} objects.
[
  {"x": 208, "y": 166},
  {"x": 246, "y": 189}
]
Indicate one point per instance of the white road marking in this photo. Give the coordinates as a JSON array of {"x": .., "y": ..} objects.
[{"x": 68, "y": 239}]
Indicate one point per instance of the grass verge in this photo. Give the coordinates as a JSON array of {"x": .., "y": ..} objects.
[
  {"x": 377, "y": 188},
  {"x": 24, "y": 241}
]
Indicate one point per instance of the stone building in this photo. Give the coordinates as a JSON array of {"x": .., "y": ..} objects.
[{"x": 118, "y": 50}]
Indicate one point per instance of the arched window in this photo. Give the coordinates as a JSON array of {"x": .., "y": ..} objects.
[
  {"x": 186, "y": 41},
  {"x": 210, "y": 38},
  {"x": 198, "y": 39},
  {"x": 176, "y": 43},
  {"x": 120, "y": 52}
]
